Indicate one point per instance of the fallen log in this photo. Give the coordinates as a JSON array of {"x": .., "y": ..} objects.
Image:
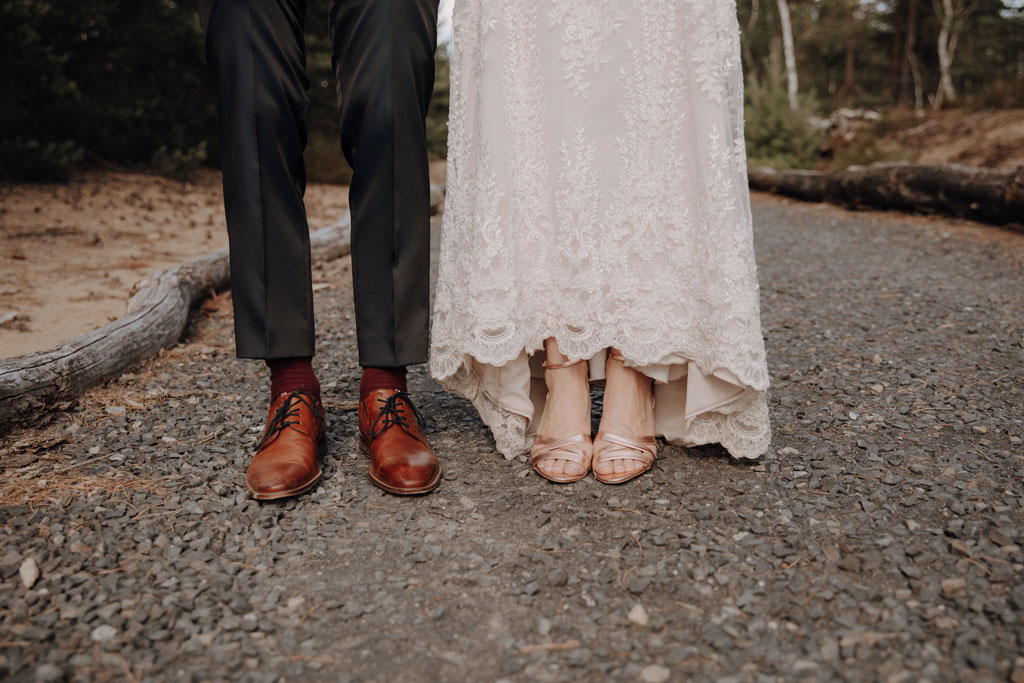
[
  {"x": 981, "y": 194},
  {"x": 157, "y": 316}
]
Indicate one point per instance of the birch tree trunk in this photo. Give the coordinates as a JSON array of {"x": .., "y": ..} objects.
[
  {"x": 787, "y": 47},
  {"x": 953, "y": 15},
  {"x": 945, "y": 90}
]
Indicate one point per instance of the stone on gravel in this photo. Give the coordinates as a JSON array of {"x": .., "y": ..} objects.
[
  {"x": 49, "y": 673},
  {"x": 953, "y": 586},
  {"x": 638, "y": 615},
  {"x": 29, "y": 572},
  {"x": 654, "y": 673},
  {"x": 103, "y": 633}
]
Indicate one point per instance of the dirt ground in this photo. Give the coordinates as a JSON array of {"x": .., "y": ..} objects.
[
  {"x": 990, "y": 139},
  {"x": 71, "y": 253}
]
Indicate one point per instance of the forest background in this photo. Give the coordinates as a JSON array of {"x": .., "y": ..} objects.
[{"x": 123, "y": 84}]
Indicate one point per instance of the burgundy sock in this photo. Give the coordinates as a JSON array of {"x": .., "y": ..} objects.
[
  {"x": 381, "y": 378},
  {"x": 289, "y": 374}
]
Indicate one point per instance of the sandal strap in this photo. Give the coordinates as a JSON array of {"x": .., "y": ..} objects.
[
  {"x": 643, "y": 450},
  {"x": 559, "y": 366},
  {"x": 547, "y": 451}
]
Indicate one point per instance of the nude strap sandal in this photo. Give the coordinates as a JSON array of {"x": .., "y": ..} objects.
[{"x": 577, "y": 448}]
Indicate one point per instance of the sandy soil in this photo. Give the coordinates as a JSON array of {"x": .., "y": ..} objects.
[
  {"x": 69, "y": 254},
  {"x": 991, "y": 139}
]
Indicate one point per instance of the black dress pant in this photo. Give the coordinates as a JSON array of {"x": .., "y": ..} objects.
[{"x": 383, "y": 58}]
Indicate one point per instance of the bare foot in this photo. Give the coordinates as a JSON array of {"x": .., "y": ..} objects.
[
  {"x": 566, "y": 413},
  {"x": 628, "y": 412}
]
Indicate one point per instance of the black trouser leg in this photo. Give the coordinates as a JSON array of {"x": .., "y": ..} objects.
[
  {"x": 256, "y": 53},
  {"x": 383, "y": 59}
]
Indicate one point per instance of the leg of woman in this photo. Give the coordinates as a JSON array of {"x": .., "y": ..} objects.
[
  {"x": 628, "y": 413},
  {"x": 566, "y": 413}
]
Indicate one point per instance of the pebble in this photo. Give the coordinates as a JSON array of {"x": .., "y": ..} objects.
[
  {"x": 654, "y": 673},
  {"x": 29, "y": 572},
  {"x": 103, "y": 633},
  {"x": 638, "y": 615},
  {"x": 49, "y": 672}
]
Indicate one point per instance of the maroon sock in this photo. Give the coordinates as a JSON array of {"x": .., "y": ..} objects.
[
  {"x": 381, "y": 378},
  {"x": 289, "y": 374}
]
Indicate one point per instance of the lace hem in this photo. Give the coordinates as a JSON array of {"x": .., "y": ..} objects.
[
  {"x": 508, "y": 428},
  {"x": 741, "y": 426}
]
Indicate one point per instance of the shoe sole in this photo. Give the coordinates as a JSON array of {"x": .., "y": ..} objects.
[
  {"x": 418, "y": 491},
  {"x": 321, "y": 452},
  {"x": 630, "y": 477},
  {"x": 562, "y": 481}
]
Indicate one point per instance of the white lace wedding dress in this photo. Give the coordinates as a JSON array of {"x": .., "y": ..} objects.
[{"x": 597, "y": 193}]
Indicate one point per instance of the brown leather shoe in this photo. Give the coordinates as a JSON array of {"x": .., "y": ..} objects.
[
  {"x": 287, "y": 457},
  {"x": 401, "y": 461}
]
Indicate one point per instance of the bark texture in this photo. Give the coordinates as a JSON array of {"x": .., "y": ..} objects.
[{"x": 982, "y": 194}]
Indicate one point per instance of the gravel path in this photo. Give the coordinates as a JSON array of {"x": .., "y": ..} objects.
[{"x": 880, "y": 539}]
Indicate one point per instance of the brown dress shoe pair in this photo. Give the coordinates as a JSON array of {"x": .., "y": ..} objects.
[
  {"x": 287, "y": 460},
  {"x": 401, "y": 461}
]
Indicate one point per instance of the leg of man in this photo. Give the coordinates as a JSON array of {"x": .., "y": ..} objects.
[
  {"x": 256, "y": 54},
  {"x": 383, "y": 58}
]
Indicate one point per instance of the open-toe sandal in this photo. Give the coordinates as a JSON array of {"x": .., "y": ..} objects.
[{"x": 578, "y": 448}]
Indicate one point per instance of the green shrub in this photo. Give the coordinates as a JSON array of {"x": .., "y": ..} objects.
[
  {"x": 776, "y": 135},
  {"x": 116, "y": 79},
  {"x": 37, "y": 161},
  {"x": 178, "y": 164},
  {"x": 872, "y": 144},
  {"x": 324, "y": 161},
  {"x": 437, "y": 117}
]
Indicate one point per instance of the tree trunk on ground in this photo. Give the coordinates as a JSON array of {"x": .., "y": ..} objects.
[
  {"x": 790, "y": 54},
  {"x": 982, "y": 194}
]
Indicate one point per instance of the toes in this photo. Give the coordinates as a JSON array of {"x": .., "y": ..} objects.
[
  {"x": 553, "y": 466},
  {"x": 618, "y": 466},
  {"x": 546, "y": 466},
  {"x": 573, "y": 469}
]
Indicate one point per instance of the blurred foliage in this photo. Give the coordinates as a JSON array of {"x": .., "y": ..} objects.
[
  {"x": 103, "y": 80},
  {"x": 873, "y": 144},
  {"x": 854, "y": 53},
  {"x": 777, "y": 136},
  {"x": 437, "y": 117},
  {"x": 125, "y": 83}
]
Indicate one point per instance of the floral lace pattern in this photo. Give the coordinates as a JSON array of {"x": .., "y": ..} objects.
[
  {"x": 585, "y": 26},
  {"x": 597, "y": 193}
]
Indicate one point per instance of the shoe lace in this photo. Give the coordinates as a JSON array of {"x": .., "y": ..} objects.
[
  {"x": 392, "y": 413},
  {"x": 287, "y": 415}
]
